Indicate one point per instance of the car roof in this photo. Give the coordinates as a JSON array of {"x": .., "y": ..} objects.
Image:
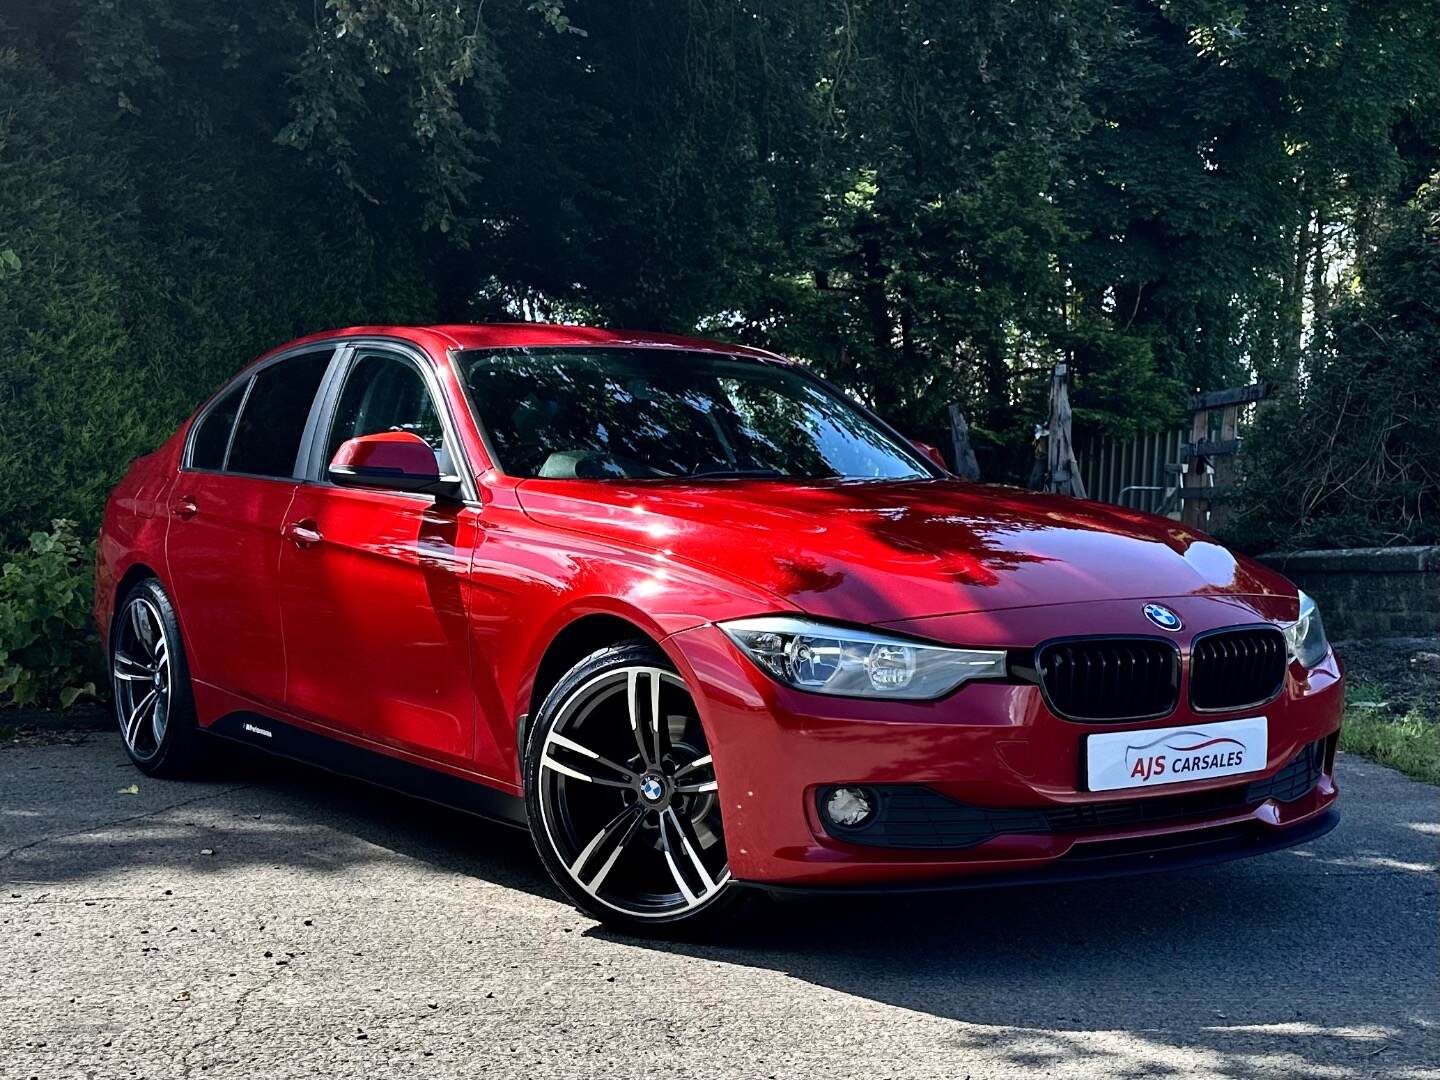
[{"x": 520, "y": 335}]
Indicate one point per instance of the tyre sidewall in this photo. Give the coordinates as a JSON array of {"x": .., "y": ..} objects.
[{"x": 179, "y": 748}]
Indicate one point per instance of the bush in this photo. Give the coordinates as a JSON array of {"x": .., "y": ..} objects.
[
  {"x": 137, "y": 275},
  {"x": 49, "y": 651}
]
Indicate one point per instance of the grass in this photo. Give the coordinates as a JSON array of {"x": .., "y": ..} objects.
[{"x": 1408, "y": 741}]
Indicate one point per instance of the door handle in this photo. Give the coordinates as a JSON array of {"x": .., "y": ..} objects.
[
  {"x": 185, "y": 508},
  {"x": 303, "y": 533}
]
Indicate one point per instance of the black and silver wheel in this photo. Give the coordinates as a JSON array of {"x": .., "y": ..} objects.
[
  {"x": 150, "y": 683},
  {"x": 622, "y": 797}
]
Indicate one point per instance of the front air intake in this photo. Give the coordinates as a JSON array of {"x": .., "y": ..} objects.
[{"x": 1107, "y": 680}]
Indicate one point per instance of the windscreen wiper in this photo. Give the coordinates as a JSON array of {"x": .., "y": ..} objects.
[{"x": 730, "y": 474}]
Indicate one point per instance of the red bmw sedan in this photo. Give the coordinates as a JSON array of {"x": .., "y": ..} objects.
[{"x": 700, "y": 623}]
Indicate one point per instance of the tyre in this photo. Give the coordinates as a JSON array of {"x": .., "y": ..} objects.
[
  {"x": 150, "y": 685},
  {"x": 622, "y": 800}
]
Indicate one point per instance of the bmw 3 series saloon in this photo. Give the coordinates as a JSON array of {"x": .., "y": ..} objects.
[{"x": 701, "y": 624}]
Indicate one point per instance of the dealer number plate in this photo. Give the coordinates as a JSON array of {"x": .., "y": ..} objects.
[{"x": 1175, "y": 755}]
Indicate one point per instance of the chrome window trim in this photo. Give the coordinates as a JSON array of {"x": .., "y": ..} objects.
[{"x": 248, "y": 376}]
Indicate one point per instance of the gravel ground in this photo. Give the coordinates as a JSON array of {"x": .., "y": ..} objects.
[
  {"x": 278, "y": 922},
  {"x": 1406, "y": 669}
]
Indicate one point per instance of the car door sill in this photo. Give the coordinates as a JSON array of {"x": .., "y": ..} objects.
[{"x": 346, "y": 759}]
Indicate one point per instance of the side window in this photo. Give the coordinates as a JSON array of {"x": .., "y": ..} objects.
[
  {"x": 267, "y": 436},
  {"x": 213, "y": 436},
  {"x": 384, "y": 392}
]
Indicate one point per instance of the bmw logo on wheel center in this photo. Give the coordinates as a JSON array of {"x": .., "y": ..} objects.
[
  {"x": 1163, "y": 617},
  {"x": 652, "y": 788}
]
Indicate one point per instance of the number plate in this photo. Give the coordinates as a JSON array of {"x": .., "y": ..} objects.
[{"x": 1175, "y": 755}]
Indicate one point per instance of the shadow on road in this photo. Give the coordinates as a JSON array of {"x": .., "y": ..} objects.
[{"x": 1317, "y": 961}]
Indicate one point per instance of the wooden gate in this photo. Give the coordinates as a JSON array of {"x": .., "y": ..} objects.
[{"x": 1185, "y": 473}]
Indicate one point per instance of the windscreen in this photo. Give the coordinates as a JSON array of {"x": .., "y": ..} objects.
[{"x": 598, "y": 413}]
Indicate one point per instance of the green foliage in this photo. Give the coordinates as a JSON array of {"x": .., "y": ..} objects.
[
  {"x": 1356, "y": 448},
  {"x": 48, "y": 646},
  {"x": 176, "y": 247},
  {"x": 931, "y": 202},
  {"x": 1409, "y": 742}
]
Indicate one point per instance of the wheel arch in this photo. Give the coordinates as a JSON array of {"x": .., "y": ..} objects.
[
  {"x": 577, "y": 639},
  {"x": 136, "y": 572}
]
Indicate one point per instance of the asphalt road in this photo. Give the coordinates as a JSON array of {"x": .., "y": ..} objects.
[{"x": 281, "y": 923}]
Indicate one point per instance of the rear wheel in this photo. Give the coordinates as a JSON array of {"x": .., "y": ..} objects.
[
  {"x": 622, "y": 797},
  {"x": 150, "y": 684}
]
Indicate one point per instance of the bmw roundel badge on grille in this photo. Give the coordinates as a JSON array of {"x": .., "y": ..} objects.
[{"x": 1163, "y": 617}]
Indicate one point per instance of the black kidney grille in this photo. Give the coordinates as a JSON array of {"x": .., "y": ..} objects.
[
  {"x": 1104, "y": 680},
  {"x": 1235, "y": 669}
]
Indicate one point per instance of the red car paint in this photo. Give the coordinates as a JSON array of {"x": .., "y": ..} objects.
[{"x": 416, "y": 628}]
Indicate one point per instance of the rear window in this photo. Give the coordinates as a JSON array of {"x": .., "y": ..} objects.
[
  {"x": 213, "y": 435},
  {"x": 267, "y": 436}
]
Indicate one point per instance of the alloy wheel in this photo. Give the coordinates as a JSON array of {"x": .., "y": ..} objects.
[
  {"x": 140, "y": 674},
  {"x": 628, "y": 796}
]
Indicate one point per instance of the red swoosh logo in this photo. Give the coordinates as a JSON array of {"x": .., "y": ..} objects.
[
  {"x": 1181, "y": 749},
  {"x": 1201, "y": 746}
]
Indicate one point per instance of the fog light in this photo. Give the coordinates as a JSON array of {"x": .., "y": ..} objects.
[{"x": 849, "y": 806}]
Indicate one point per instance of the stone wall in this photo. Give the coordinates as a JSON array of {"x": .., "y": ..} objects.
[{"x": 1369, "y": 592}]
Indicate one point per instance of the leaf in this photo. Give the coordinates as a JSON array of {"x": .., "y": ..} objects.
[
  {"x": 69, "y": 694},
  {"x": 133, "y": 789}
]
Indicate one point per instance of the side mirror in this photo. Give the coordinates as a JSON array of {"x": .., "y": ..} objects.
[
  {"x": 393, "y": 460},
  {"x": 931, "y": 452}
]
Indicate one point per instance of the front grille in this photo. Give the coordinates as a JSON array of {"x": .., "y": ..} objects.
[
  {"x": 1106, "y": 680},
  {"x": 912, "y": 816},
  {"x": 1236, "y": 669}
]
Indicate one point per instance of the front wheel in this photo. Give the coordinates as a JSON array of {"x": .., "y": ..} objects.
[{"x": 622, "y": 797}]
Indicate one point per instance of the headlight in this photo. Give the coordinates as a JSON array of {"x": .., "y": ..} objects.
[
  {"x": 1305, "y": 637},
  {"x": 858, "y": 663}
]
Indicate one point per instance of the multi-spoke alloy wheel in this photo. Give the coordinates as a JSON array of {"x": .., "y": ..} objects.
[
  {"x": 141, "y": 672},
  {"x": 150, "y": 682},
  {"x": 622, "y": 792}
]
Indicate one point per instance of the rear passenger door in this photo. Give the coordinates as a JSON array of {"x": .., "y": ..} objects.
[{"x": 226, "y": 509}]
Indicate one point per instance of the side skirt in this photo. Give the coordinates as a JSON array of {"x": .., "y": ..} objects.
[{"x": 346, "y": 759}]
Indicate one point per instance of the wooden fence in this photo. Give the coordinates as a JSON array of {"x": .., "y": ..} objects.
[{"x": 1135, "y": 472}]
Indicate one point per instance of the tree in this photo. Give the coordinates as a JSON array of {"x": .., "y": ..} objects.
[
  {"x": 1356, "y": 447},
  {"x": 930, "y": 202}
]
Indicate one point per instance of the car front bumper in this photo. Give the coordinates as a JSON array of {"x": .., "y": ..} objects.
[{"x": 990, "y": 745}]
